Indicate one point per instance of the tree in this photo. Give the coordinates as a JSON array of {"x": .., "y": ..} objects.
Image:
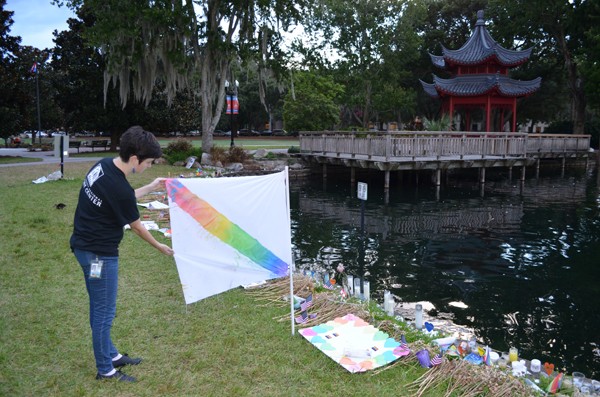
[
  {"x": 313, "y": 103},
  {"x": 373, "y": 47},
  {"x": 589, "y": 59},
  {"x": 18, "y": 108},
  {"x": 557, "y": 28},
  {"x": 79, "y": 83},
  {"x": 11, "y": 98},
  {"x": 183, "y": 44}
]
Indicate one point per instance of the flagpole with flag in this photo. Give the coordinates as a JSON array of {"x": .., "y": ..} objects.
[
  {"x": 292, "y": 265},
  {"x": 34, "y": 70}
]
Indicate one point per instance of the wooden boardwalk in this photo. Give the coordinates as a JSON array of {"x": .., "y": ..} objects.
[{"x": 437, "y": 151}]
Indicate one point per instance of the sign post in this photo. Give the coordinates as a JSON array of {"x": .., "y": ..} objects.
[
  {"x": 61, "y": 148},
  {"x": 362, "y": 190}
]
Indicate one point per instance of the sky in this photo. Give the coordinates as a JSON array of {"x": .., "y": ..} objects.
[{"x": 35, "y": 20}]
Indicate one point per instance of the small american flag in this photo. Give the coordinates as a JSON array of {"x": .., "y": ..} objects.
[
  {"x": 307, "y": 303},
  {"x": 327, "y": 284},
  {"x": 487, "y": 358},
  {"x": 302, "y": 317},
  {"x": 34, "y": 68},
  {"x": 403, "y": 342},
  {"x": 437, "y": 360}
]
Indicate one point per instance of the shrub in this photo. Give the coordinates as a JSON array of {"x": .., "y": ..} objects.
[
  {"x": 179, "y": 145},
  {"x": 180, "y": 150},
  {"x": 218, "y": 153},
  {"x": 293, "y": 149},
  {"x": 236, "y": 154}
]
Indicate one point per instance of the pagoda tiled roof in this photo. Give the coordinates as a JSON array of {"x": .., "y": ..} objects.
[
  {"x": 480, "y": 84},
  {"x": 480, "y": 48}
]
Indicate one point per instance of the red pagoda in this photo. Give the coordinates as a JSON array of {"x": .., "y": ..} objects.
[{"x": 480, "y": 96}]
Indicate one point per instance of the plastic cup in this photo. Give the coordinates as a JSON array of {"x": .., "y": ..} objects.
[
  {"x": 536, "y": 366},
  {"x": 578, "y": 378},
  {"x": 587, "y": 387},
  {"x": 494, "y": 357},
  {"x": 502, "y": 362}
]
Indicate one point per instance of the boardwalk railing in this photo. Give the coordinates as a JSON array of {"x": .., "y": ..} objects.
[{"x": 438, "y": 145}]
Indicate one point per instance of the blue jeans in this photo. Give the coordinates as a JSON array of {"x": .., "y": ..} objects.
[{"x": 103, "y": 305}]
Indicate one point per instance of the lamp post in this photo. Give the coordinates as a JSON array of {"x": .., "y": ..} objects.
[{"x": 232, "y": 105}]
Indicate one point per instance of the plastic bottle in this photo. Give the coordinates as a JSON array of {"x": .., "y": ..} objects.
[
  {"x": 419, "y": 316},
  {"x": 473, "y": 345}
]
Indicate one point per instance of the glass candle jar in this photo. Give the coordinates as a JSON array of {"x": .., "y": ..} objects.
[{"x": 513, "y": 354}]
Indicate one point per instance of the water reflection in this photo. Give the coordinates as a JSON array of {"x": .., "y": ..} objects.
[{"x": 522, "y": 262}]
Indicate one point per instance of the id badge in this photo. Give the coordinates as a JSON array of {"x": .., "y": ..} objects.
[{"x": 96, "y": 268}]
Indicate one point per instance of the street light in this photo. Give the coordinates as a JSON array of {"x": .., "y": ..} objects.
[{"x": 232, "y": 105}]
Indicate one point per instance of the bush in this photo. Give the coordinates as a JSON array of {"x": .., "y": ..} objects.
[
  {"x": 236, "y": 154},
  {"x": 179, "y": 145},
  {"x": 180, "y": 150},
  {"x": 218, "y": 153},
  {"x": 293, "y": 149}
]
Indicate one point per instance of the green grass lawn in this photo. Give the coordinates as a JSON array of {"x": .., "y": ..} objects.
[
  {"x": 226, "y": 345},
  {"x": 249, "y": 143},
  {"x": 18, "y": 159}
]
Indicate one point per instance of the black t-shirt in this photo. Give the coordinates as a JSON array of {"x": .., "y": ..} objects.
[{"x": 106, "y": 204}]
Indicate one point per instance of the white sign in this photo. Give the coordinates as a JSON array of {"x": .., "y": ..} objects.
[
  {"x": 65, "y": 141},
  {"x": 362, "y": 191}
]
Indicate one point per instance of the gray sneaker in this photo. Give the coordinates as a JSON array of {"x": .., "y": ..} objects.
[
  {"x": 120, "y": 376},
  {"x": 126, "y": 360}
]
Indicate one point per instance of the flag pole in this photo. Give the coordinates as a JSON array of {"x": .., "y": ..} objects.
[
  {"x": 292, "y": 265},
  {"x": 37, "y": 95}
]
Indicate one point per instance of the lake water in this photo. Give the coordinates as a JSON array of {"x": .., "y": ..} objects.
[{"x": 517, "y": 262}]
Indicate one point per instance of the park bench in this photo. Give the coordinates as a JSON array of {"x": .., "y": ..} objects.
[
  {"x": 99, "y": 143},
  {"x": 75, "y": 145}
]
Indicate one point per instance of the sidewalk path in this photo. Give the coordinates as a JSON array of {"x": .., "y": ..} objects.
[{"x": 47, "y": 157}]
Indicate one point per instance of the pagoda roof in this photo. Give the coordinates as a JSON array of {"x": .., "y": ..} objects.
[
  {"x": 480, "y": 48},
  {"x": 480, "y": 84}
]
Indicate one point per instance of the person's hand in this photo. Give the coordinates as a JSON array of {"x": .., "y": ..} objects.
[
  {"x": 157, "y": 182},
  {"x": 165, "y": 249}
]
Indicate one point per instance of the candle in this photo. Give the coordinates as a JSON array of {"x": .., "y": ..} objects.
[
  {"x": 513, "y": 354},
  {"x": 389, "y": 303},
  {"x": 419, "y": 316},
  {"x": 350, "y": 285}
]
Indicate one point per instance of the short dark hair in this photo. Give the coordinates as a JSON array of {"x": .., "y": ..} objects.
[{"x": 138, "y": 142}]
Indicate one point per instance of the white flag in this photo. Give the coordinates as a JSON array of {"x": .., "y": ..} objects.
[{"x": 229, "y": 231}]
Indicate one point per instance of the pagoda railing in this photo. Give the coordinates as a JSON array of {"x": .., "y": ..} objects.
[{"x": 438, "y": 145}]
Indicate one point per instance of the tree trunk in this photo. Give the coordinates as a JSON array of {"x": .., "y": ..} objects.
[{"x": 575, "y": 85}]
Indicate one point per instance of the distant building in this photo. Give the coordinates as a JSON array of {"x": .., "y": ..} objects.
[{"x": 480, "y": 96}]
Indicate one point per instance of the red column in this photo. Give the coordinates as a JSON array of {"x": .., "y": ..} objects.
[
  {"x": 514, "y": 115},
  {"x": 488, "y": 112},
  {"x": 451, "y": 112}
]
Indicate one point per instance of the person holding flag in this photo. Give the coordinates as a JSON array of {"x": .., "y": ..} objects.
[{"x": 107, "y": 203}]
